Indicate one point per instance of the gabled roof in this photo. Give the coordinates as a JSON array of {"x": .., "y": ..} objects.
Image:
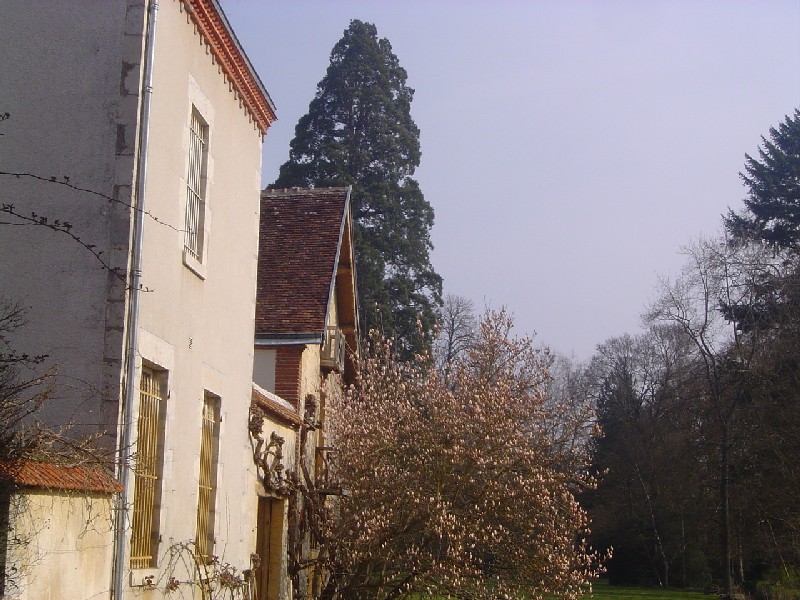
[
  {"x": 301, "y": 238},
  {"x": 36, "y": 474}
]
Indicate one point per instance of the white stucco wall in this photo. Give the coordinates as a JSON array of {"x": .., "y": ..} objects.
[
  {"x": 70, "y": 77},
  {"x": 64, "y": 548},
  {"x": 200, "y": 329}
]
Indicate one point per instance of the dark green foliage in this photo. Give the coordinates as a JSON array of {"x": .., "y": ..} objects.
[
  {"x": 770, "y": 422},
  {"x": 701, "y": 442},
  {"x": 359, "y": 132},
  {"x": 650, "y": 505},
  {"x": 772, "y": 208},
  {"x": 771, "y": 216}
]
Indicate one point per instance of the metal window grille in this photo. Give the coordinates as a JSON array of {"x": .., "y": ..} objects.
[
  {"x": 195, "y": 184},
  {"x": 204, "y": 542},
  {"x": 148, "y": 465}
]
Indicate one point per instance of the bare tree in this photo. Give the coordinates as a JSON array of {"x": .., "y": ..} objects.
[
  {"x": 645, "y": 452},
  {"x": 717, "y": 276},
  {"x": 457, "y": 325},
  {"x": 24, "y": 389},
  {"x": 567, "y": 390}
]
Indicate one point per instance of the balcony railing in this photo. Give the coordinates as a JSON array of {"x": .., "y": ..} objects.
[{"x": 333, "y": 349}]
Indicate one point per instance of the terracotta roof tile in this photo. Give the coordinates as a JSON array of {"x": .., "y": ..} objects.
[
  {"x": 276, "y": 409},
  {"x": 298, "y": 244},
  {"x": 37, "y": 474}
]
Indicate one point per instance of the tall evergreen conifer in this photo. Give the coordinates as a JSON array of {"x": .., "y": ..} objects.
[
  {"x": 358, "y": 131},
  {"x": 772, "y": 208},
  {"x": 771, "y": 215}
]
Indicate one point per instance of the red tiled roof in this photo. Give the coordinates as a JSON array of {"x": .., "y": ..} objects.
[
  {"x": 30, "y": 473},
  {"x": 301, "y": 231},
  {"x": 277, "y": 410}
]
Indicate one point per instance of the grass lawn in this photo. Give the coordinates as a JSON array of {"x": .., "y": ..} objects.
[{"x": 603, "y": 591}]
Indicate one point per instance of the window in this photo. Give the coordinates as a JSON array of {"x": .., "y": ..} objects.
[
  {"x": 196, "y": 187},
  {"x": 147, "y": 487},
  {"x": 209, "y": 448}
]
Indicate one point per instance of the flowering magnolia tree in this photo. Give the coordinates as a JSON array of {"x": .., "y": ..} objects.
[{"x": 465, "y": 489}]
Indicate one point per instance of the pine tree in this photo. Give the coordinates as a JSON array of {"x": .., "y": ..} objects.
[
  {"x": 772, "y": 208},
  {"x": 771, "y": 216},
  {"x": 358, "y": 131}
]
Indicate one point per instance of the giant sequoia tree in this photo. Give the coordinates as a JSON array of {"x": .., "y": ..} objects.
[{"x": 359, "y": 132}]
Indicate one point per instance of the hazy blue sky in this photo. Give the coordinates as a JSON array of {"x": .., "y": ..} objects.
[{"x": 569, "y": 148}]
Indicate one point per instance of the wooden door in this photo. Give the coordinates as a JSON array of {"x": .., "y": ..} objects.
[{"x": 264, "y": 547}]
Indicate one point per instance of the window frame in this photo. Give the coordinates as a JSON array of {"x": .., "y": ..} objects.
[
  {"x": 148, "y": 469},
  {"x": 207, "y": 477},
  {"x": 195, "y": 246}
]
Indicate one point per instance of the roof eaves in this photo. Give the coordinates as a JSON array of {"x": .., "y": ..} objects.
[
  {"x": 270, "y": 403},
  {"x": 51, "y": 476},
  {"x": 288, "y": 339},
  {"x": 246, "y": 58},
  {"x": 294, "y": 191},
  {"x": 218, "y": 35},
  {"x": 345, "y": 212}
]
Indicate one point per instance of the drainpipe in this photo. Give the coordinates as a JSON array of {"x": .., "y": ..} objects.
[{"x": 132, "y": 344}]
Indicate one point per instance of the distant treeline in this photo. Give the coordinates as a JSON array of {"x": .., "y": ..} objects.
[{"x": 700, "y": 452}]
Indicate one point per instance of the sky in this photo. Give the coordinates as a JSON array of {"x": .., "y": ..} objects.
[{"x": 569, "y": 148}]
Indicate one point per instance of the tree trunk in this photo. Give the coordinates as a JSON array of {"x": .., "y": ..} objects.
[
  {"x": 683, "y": 549},
  {"x": 726, "y": 515},
  {"x": 330, "y": 589}
]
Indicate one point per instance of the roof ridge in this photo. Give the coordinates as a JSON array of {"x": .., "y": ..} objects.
[
  {"x": 304, "y": 191},
  {"x": 50, "y": 475}
]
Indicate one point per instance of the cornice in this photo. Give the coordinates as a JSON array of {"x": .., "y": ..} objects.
[{"x": 217, "y": 33}]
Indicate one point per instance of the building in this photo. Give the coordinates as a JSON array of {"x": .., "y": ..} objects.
[
  {"x": 136, "y": 130},
  {"x": 306, "y": 337},
  {"x": 57, "y": 511}
]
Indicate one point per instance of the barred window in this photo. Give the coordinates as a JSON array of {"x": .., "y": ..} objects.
[
  {"x": 209, "y": 448},
  {"x": 196, "y": 186},
  {"x": 149, "y": 455}
]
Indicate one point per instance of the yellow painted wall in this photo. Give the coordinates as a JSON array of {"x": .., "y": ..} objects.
[{"x": 65, "y": 546}]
